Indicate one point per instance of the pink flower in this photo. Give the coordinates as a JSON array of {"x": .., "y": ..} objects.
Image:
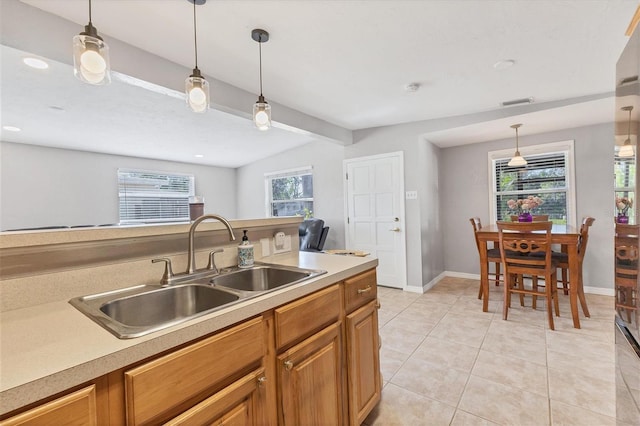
[
  {"x": 525, "y": 204},
  {"x": 623, "y": 204}
]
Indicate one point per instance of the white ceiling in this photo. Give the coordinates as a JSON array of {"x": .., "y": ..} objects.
[{"x": 347, "y": 62}]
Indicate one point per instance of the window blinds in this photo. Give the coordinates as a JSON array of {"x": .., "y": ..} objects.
[
  {"x": 544, "y": 176},
  {"x": 147, "y": 196}
]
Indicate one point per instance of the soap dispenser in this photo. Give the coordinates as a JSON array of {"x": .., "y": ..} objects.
[{"x": 245, "y": 252}]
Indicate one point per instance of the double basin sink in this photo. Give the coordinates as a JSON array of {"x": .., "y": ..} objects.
[{"x": 140, "y": 310}]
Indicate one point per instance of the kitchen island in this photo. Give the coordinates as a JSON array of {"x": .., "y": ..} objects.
[{"x": 49, "y": 348}]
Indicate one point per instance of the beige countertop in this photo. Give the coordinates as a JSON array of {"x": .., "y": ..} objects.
[{"x": 47, "y": 348}]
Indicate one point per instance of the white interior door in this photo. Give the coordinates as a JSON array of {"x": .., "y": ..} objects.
[{"x": 375, "y": 213}]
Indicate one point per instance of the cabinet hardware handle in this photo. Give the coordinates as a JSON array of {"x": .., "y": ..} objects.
[
  {"x": 364, "y": 290},
  {"x": 378, "y": 305},
  {"x": 288, "y": 365},
  {"x": 261, "y": 380},
  {"x": 395, "y": 229}
]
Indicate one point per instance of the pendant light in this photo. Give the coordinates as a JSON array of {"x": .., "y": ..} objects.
[
  {"x": 517, "y": 159},
  {"x": 196, "y": 87},
  {"x": 627, "y": 149},
  {"x": 91, "y": 56},
  {"x": 261, "y": 109}
]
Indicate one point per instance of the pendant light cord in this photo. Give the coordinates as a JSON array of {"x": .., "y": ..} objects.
[
  {"x": 195, "y": 33},
  {"x": 629, "y": 129},
  {"x": 90, "y": 12},
  {"x": 260, "y": 54},
  {"x": 517, "y": 148}
]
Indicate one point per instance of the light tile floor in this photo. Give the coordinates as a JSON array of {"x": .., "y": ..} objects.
[{"x": 445, "y": 362}]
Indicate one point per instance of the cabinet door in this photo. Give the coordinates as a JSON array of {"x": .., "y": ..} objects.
[
  {"x": 77, "y": 408},
  {"x": 238, "y": 404},
  {"x": 363, "y": 362},
  {"x": 310, "y": 380}
]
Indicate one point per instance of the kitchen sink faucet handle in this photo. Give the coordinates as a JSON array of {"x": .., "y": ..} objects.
[
  {"x": 168, "y": 272},
  {"x": 212, "y": 263}
]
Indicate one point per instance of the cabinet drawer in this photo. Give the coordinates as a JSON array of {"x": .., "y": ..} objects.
[
  {"x": 159, "y": 389},
  {"x": 299, "y": 319},
  {"x": 359, "y": 290}
]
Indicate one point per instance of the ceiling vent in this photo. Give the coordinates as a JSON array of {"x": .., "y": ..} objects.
[{"x": 517, "y": 102}]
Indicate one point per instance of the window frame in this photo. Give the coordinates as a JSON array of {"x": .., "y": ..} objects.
[
  {"x": 269, "y": 176},
  {"x": 566, "y": 147},
  {"x": 128, "y": 221}
]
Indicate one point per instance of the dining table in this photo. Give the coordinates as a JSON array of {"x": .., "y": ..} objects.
[{"x": 567, "y": 236}]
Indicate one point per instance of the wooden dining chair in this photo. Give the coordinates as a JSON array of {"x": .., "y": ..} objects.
[
  {"x": 493, "y": 256},
  {"x": 525, "y": 239},
  {"x": 626, "y": 268},
  {"x": 563, "y": 264}
]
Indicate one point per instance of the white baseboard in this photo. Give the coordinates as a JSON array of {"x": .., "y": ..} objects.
[
  {"x": 461, "y": 275},
  {"x": 600, "y": 290},
  {"x": 426, "y": 287}
]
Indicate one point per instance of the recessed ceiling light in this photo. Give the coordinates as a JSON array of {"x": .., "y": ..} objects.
[
  {"x": 412, "y": 87},
  {"x": 504, "y": 64},
  {"x": 36, "y": 63},
  {"x": 199, "y": 156},
  {"x": 11, "y": 128}
]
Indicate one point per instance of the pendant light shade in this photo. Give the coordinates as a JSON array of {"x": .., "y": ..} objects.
[
  {"x": 517, "y": 160},
  {"x": 195, "y": 86},
  {"x": 261, "y": 109},
  {"x": 627, "y": 149},
  {"x": 91, "y": 56}
]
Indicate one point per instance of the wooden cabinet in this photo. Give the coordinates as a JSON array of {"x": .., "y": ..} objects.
[
  {"x": 362, "y": 345},
  {"x": 363, "y": 362},
  {"x": 313, "y": 361},
  {"x": 310, "y": 380},
  {"x": 174, "y": 383},
  {"x": 76, "y": 408}
]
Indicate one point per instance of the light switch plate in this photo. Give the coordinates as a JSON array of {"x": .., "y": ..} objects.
[{"x": 411, "y": 195}]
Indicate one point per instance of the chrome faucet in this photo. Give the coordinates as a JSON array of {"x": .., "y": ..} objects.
[{"x": 191, "y": 266}]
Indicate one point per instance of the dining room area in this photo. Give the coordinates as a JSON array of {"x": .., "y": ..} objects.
[{"x": 529, "y": 323}]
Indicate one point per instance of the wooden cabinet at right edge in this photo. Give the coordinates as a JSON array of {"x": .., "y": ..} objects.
[
  {"x": 362, "y": 346},
  {"x": 327, "y": 350}
]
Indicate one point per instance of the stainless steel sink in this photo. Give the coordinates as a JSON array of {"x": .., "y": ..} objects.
[
  {"x": 262, "y": 277},
  {"x": 141, "y": 310}
]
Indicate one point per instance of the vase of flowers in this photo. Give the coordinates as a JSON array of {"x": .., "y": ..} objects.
[
  {"x": 524, "y": 206},
  {"x": 623, "y": 204}
]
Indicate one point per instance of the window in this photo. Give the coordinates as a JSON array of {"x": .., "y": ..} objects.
[
  {"x": 147, "y": 196},
  {"x": 548, "y": 174},
  {"x": 290, "y": 193},
  {"x": 625, "y": 178}
]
